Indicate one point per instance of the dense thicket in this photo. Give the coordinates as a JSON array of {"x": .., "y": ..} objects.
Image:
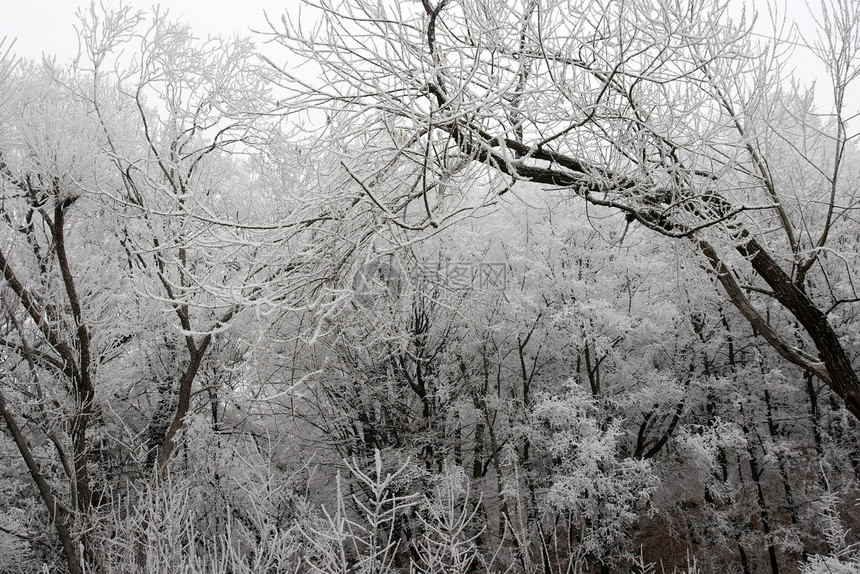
[{"x": 543, "y": 287}]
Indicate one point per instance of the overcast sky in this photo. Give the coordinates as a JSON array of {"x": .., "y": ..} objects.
[{"x": 47, "y": 26}]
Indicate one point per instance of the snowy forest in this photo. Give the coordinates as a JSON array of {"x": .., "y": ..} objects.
[{"x": 433, "y": 287}]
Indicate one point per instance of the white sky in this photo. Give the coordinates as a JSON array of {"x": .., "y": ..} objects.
[{"x": 47, "y": 27}]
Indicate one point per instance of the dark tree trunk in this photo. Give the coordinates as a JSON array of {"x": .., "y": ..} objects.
[
  {"x": 60, "y": 516},
  {"x": 840, "y": 373}
]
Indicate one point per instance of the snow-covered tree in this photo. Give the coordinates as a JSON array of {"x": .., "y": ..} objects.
[{"x": 674, "y": 115}]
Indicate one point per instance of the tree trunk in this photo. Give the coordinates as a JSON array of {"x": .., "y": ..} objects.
[
  {"x": 841, "y": 376},
  {"x": 166, "y": 448},
  {"x": 773, "y": 430},
  {"x": 763, "y": 512},
  {"x": 60, "y": 516}
]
